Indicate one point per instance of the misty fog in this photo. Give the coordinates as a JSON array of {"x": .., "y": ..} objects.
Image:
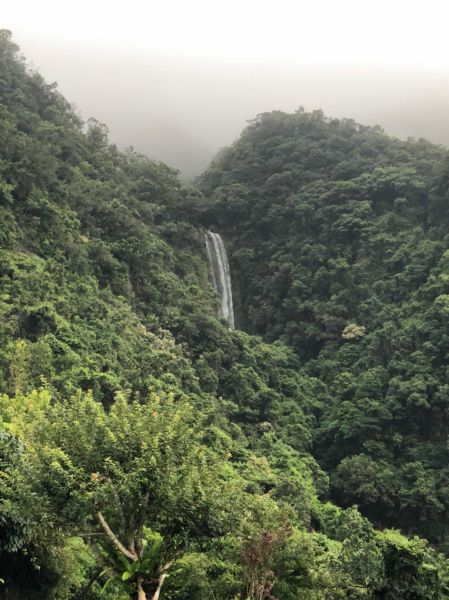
[{"x": 182, "y": 110}]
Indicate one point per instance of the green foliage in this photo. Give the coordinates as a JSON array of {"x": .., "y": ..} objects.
[
  {"x": 338, "y": 247},
  {"x": 115, "y": 474},
  {"x": 144, "y": 447}
]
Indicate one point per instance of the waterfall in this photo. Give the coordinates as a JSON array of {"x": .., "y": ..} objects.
[{"x": 221, "y": 275}]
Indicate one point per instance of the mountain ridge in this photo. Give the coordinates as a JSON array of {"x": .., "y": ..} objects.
[{"x": 139, "y": 436}]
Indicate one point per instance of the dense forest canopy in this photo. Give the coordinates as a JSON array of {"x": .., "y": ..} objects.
[
  {"x": 340, "y": 249},
  {"x": 148, "y": 451}
]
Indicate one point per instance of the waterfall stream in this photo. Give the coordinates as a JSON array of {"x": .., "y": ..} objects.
[{"x": 221, "y": 275}]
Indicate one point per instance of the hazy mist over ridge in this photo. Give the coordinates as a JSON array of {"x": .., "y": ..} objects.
[{"x": 180, "y": 106}]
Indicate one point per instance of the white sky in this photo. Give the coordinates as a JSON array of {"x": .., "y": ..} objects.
[
  {"x": 367, "y": 59},
  {"x": 400, "y": 32}
]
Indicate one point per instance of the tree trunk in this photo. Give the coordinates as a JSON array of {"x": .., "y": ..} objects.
[
  {"x": 140, "y": 591},
  {"x": 157, "y": 593}
]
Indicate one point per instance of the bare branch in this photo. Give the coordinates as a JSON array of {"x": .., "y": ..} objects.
[
  {"x": 114, "y": 539},
  {"x": 168, "y": 564}
]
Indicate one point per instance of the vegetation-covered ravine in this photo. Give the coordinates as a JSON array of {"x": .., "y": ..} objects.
[{"x": 147, "y": 450}]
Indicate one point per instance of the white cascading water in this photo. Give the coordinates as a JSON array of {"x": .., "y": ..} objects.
[{"x": 221, "y": 275}]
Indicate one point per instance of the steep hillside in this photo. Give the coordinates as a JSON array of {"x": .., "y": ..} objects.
[
  {"x": 340, "y": 249},
  {"x": 145, "y": 449}
]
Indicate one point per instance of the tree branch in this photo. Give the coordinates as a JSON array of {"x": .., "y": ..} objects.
[{"x": 114, "y": 539}]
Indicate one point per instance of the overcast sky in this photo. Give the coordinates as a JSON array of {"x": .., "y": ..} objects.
[{"x": 178, "y": 79}]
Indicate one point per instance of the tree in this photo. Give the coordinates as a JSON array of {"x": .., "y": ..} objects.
[{"x": 136, "y": 480}]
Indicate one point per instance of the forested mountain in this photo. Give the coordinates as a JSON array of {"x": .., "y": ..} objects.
[
  {"x": 148, "y": 451},
  {"x": 340, "y": 249}
]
